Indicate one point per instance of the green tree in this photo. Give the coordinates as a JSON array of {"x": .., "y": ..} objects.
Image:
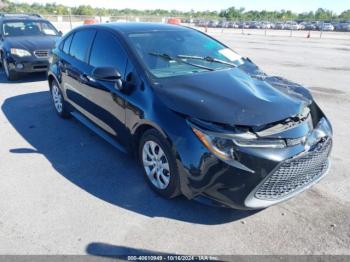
[
  {"x": 83, "y": 10},
  {"x": 345, "y": 15},
  {"x": 232, "y": 13},
  {"x": 323, "y": 14}
]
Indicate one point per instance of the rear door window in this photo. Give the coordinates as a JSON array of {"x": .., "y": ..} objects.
[
  {"x": 81, "y": 43},
  {"x": 106, "y": 51}
]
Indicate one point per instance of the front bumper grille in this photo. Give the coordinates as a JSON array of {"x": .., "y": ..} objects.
[
  {"x": 295, "y": 174},
  {"x": 41, "y": 53}
]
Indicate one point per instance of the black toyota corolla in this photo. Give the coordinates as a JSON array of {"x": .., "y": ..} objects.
[{"x": 202, "y": 120}]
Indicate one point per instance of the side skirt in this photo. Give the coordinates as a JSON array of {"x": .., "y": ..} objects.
[{"x": 98, "y": 131}]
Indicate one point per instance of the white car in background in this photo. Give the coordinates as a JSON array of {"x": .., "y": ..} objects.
[{"x": 327, "y": 27}]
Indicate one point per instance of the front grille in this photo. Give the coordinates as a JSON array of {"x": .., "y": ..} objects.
[
  {"x": 294, "y": 174},
  {"x": 41, "y": 53},
  {"x": 39, "y": 67}
]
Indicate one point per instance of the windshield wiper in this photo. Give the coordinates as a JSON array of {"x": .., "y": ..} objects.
[
  {"x": 206, "y": 58},
  {"x": 179, "y": 60}
]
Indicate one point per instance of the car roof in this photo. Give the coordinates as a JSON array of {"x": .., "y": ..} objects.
[
  {"x": 140, "y": 27},
  {"x": 11, "y": 17}
]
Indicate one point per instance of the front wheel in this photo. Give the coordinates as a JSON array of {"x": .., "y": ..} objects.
[
  {"x": 10, "y": 74},
  {"x": 159, "y": 164}
]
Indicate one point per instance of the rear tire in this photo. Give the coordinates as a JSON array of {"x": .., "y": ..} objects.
[
  {"x": 59, "y": 103},
  {"x": 159, "y": 164}
]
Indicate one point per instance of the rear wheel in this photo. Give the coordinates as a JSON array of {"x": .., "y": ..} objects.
[
  {"x": 58, "y": 100},
  {"x": 10, "y": 74},
  {"x": 159, "y": 164}
]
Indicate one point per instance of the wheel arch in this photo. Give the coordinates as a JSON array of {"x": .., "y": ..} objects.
[
  {"x": 3, "y": 53},
  {"x": 50, "y": 79},
  {"x": 141, "y": 128}
]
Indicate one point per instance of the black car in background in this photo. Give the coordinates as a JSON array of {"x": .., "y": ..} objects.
[
  {"x": 26, "y": 42},
  {"x": 202, "y": 120}
]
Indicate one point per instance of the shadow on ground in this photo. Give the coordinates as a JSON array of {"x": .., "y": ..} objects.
[{"x": 96, "y": 167}]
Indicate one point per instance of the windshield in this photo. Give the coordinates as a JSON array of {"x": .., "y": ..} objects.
[
  {"x": 28, "y": 28},
  {"x": 199, "y": 51}
]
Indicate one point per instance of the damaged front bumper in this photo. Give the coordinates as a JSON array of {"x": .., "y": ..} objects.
[
  {"x": 260, "y": 177},
  {"x": 292, "y": 176}
]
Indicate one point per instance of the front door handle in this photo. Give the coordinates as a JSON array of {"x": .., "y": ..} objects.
[
  {"x": 118, "y": 100},
  {"x": 62, "y": 66},
  {"x": 84, "y": 78}
]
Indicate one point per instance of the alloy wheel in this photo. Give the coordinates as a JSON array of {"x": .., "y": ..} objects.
[
  {"x": 57, "y": 98},
  {"x": 156, "y": 164}
]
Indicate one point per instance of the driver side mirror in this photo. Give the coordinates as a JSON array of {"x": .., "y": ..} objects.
[
  {"x": 60, "y": 33},
  {"x": 109, "y": 74}
]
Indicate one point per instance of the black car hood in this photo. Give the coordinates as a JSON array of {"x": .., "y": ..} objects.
[
  {"x": 32, "y": 43},
  {"x": 234, "y": 97}
]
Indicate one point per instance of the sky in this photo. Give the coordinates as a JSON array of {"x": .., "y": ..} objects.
[{"x": 199, "y": 5}]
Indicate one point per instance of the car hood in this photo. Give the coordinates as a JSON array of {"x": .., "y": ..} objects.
[
  {"x": 236, "y": 96},
  {"x": 32, "y": 43}
]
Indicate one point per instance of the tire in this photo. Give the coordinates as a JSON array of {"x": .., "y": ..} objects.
[
  {"x": 157, "y": 179},
  {"x": 59, "y": 103},
  {"x": 10, "y": 74}
]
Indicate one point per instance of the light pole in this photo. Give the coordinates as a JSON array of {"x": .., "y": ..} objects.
[{"x": 70, "y": 18}]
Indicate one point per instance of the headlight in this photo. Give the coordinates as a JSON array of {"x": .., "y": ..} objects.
[
  {"x": 223, "y": 146},
  {"x": 19, "y": 52}
]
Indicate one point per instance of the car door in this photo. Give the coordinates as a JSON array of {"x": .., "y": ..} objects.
[
  {"x": 103, "y": 102},
  {"x": 73, "y": 65}
]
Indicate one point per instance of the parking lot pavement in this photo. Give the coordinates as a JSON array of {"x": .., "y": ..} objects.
[
  {"x": 273, "y": 33},
  {"x": 65, "y": 191}
]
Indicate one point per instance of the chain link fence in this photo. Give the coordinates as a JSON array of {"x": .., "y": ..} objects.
[
  {"x": 65, "y": 23},
  {"x": 267, "y": 26},
  {"x": 274, "y": 27}
]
